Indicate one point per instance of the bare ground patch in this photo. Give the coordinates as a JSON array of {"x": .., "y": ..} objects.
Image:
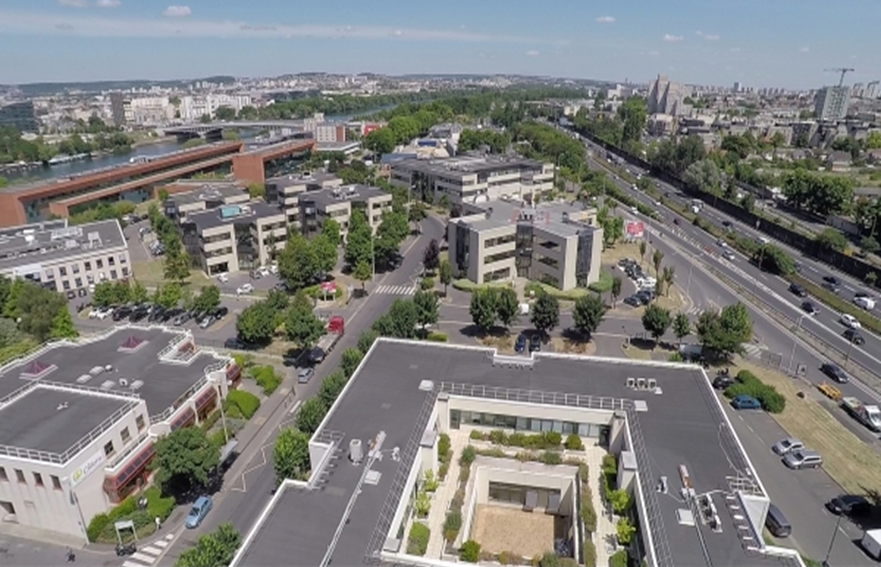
[{"x": 499, "y": 529}]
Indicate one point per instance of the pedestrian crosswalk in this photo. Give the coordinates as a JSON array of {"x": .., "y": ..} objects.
[
  {"x": 395, "y": 290},
  {"x": 148, "y": 554},
  {"x": 751, "y": 350}
]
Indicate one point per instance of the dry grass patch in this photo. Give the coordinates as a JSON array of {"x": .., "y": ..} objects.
[
  {"x": 612, "y": 254},
  {"x": 845, "y": 457},
  {"x": 498, "y": 529},
  {"x": 570, "y": 346},
  {"x": 504, "y": 343}
]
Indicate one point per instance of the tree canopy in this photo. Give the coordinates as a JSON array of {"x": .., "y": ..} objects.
[
  {"x": 588, "y": 313},
  {"x": 184, "y": 459},
  {"x": 723, "y": 334},
  {"x": 290, "y": 455},
  {"x": 215, "y": 549}
]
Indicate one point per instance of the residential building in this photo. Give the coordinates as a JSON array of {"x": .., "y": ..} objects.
[
  {"x": 79, "y": 420},
  {"x": 193, "y": 108},
  {"x": 696, "y": 497},
  {"x": 555, "y": 243},
  {"x": 232, "y": 238},
  {"x": 202, "y": 197},
  {"x": 117, "y": 108},
  {"x": 286, "y": 189},
  {"x": 338, "y": 203},
  {"x": 64, "y": 258},
  {"x": 666, "y": 97},
  {"x": 329, "y": 132},
  {"x": 149, "y": 110},
  {"x": 19, "y": 115},
  {"x": 472, "y": 179},
  {"x": 831, "y": 103}
]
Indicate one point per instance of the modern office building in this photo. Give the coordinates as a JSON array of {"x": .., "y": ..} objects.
[
  {"x": 78, "y": 421},
  {"x": 697, "y": 499},
  {"x": 285, "y": 190},
  {"x": 831, "y": 103},
  {"x": 65, "y": 258},
  {"x": 194, "y": 197},
  {"x": 338, "y": 203},
  {"x": 232, "y": 238},
  {"x": 19, "y": 115},
  {"x": 117, "y": 108},
  {"x": 555, "y": 243},
  {"x": 471, "y": 179}
]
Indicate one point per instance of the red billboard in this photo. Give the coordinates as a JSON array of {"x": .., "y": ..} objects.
[{"x": 634, "y": 229}]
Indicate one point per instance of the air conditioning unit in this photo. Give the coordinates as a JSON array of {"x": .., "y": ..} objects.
[
  {"x": 631, "y": 383},
  {"x": 640, "y": 383},
  {"x": 652, "y": 384}
]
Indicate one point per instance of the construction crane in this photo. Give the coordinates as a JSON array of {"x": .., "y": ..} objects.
[{"x": 843, "y": 70}]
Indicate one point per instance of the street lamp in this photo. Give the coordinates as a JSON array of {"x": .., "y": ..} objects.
[
  {"x": 222, "y": 413},
  {"x": 850, "y": 342},
  {"x": 795, "y": 340},
  {"x": 832, "y": 543}
]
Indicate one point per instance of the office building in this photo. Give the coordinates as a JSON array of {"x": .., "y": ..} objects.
[
  {"x": 193, "y": 108},
  {"x": 233, "y": 238},
  {"x": 338, "y": 203},
  {"x": 554, "y": 243},
  {"x": 697, "y": 500},
  {"x": 19, "y": 115},
  {"x": 286, "y": 189},
  {"x": 472, "y": 179},
  {"x": 65, "y": 258},
  {"x": 197, "y": 196},
  {"x": 117, "y": 108},
  {"x": 831, "y": 103},
  {"x": 665, "y": 97},
  {"x": 78, "y": 422}
]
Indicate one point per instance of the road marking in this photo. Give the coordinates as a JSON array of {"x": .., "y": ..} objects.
[
  {"x": 152, "y": 550},
  {"x": 131, "y": 564},
  {"x": 395, "y": 290},
  {"x": 161, "y": 543},
  {"x": 144, "y": 558}
]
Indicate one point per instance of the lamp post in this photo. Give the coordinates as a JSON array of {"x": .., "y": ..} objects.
[
  {"x": 832, "y": 542},
  {"x": 795, "y": 340},
  {"x": 850, "y": 342},
  {"x": 222, "y": 413}
]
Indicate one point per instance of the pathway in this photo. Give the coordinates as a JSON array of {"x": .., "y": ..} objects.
[
  {"x": 606, "y": 535},
  {"x": 445, "y": 493}
]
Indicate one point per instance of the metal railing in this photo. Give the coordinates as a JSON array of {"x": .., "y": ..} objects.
[
  {"x": 179, "y": 402},
  {"x": 129, "y": 450},
  {"x": 534, "y": 396}
]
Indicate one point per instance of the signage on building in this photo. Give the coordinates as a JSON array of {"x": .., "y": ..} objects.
[
  {"x": 328, "y": 287},
  {"x": 87, "y": 468},
  {"x": 634, "y": 229},
  {"x": 27, "y": 270}
]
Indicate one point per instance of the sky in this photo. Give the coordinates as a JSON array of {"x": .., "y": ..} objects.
[{"x": 761, "y": 43}]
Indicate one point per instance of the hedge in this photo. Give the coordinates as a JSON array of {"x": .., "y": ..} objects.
[
  {"x": 747, "y": 384},
  {"x": 266, "y": 378},
  {"x": 470, "y": 551},
  {"x": 101, "y": 526},
  {"x": 569, "y": 295},
  {"x": 246, "y": 402},
  {"x": 545, "y": 440},
  {"x": 436, "y": 337},
  {"x": 618, "y": 559},
  {"x": 314, "y": 291},
  {"x": 590, "y": 553},
  {"x": 470, "y": 287},
  {"x": 602, "y": 285},
  {"x": 417, "y": 541}
]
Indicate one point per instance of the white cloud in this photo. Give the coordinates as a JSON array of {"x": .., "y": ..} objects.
[
  {"x": 606, "y": 20},
  {"x": 698, "y": 33},
  {"x": 94, "y": 24},
  {"x": 72, "y": 3},
  {"x": 532, "y": 53},
  {"x": 108, "y": 3},
  {"x": 710, "y": 37},
  {"x": 672, "y": 38},
  {"x": 177, "y": 12},
  {"x": 804, "y": 49}
]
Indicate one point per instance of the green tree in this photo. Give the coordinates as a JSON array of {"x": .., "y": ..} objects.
[
  {"x": 831, "y": 239},
  {"x": 642, "y": 249},
  {"x": 705, "y": 176},
  {"x": 330, "y": 229},
  {"x": 445, "y": 274},
  {"x": 681, "y": 326},
  {"x": 773, "y": 259},
  {"x": 362, "y": 272},
  {"x": 349, "y": 361},
  {"x": 380, "y": 141},
  {"x": 545, "y": 313},
  {"x": 324, "y": 254},
  {"x": 215, "y": 549},
  {"x": 588, "y": 313},
  {"x": 167, "y": 295},
  {"x": 873, "y": 140},
  {"x": 257, "y": 322},
  {"x": 37, "y": 309},
  {"x": 869, "y": 245},
  {"x": 297, "y": 262},
  {"x": 310, "y": 415},
  {"x": 656, "y": 320},
  {"x": 359, "y": 241},
  {"x": 483, "y": 308},
  {"x": 616, "y": 289},
  {"x": 62, "y": 326},
  {"x": 290, "y": 455},
  {"x": 302, "y": 327},
  {"x": 657, "y": 258},
  {"x": 256, "y": 190},
  {"x": 426, "y": 308},
  {"x": 668, "y": 276},
  {"x": 104, "y": 294},
  {"x": 184, "y": 458},
  {"x": 138, "y": 292},
  {"x": 208, "y": 298},
  {"x": 431, "y": 256},
  {"x": 332, "y": 386},
  {"x": 723, "y": 334},
  {"x": 507, "y": 306},
  {"x": 633, "y": 114}
]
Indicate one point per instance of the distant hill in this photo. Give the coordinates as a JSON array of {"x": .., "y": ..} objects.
[{"x": 43, "y": 89}]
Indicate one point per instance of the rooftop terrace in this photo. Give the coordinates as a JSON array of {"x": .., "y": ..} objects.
[
  {"x": 233, "y": 214},
  {"x": 349, "y": 521},
  {"x": 461, "y": 166}
]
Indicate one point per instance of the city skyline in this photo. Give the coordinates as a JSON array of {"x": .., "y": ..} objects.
[{"x": 713, "y": 43}]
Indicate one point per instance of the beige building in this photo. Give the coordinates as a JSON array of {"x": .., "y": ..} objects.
[
  {"x": 286, "y": 189},
  {"x": 203, "y": 197},
  {"x": 63, "y": 258},
  {"x": 554, "y": 243},
  {"x": 338, "y": 203},
  {"x": 233, "y": 238},
  {"x": 473, "y": 179}
]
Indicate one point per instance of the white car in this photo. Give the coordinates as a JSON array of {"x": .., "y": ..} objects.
[
  {"x": 103, "y": 313},
  {"x": 245, "y": 288},
  {"x": 849, "y": 321},
  {"x": 93, "y": 314},
  {"x": 729, "y": 255},
  {"x": 223, "y": 278},
  {"x": 273, "y": 269},
  {"x": 263, "y": 271}
]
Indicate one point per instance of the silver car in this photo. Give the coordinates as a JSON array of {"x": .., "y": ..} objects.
[
  {"x": 787, "y": 445},
  {"x": 304, "y": 375},
  {"x": 803, "y": 459}
]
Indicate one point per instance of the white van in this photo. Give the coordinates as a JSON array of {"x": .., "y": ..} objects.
[
  {"x": 646, "y": 283},
  {"x": 866, "y": 303}
]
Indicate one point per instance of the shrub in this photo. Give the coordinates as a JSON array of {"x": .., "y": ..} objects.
[
  {"x": 417, "y": 541},
  {"x": 625, "y": 531},
  {"x": 618, "y": 559},
  {"x": 467, "y": 456},
  {"x": 96, "y": 526},
  {"x": 442, "y": 470},
  {"x": 430, "y": 482},
  {"x": 549, "y": 559},
  {"x": 246, "y": 402},
  {"x": 458, "y": 499},
  {"x": 452, "y": 525},
  {"x": 493, "y": 452},
  {"x": 426, "y": 284},
  {"x": 551, "y": 458},
  {"x": 552, "y": 438},
  {"x": 517, "y": 440},
  {"x": 610, "y": 464},
  {"x": 525, "y": 456},
  {"x": 620, "y": 501},
  {"x": 509, "y": 558},
  {"x": 574, "y": 443},
  {"x": 567, "y": 562},
  {"x": 470, "y": 551},
  {"x": 422, "y": 505},
  {"x": 436, "y": 337},
  {"x": 266, "y": 378},
  {"x": 315, "y": 292},
  {"x": 443, "y": 445},
  {"x": 590, "y": 553},
  {"x": 498, "y": 437},
  {"x": 747, "y": 384},
  {"x": 588, "y": 514},
  {"x": 464, "y": 474},
  {"x": 476, "y": 435},
  {"x": 469, "y": 286}
]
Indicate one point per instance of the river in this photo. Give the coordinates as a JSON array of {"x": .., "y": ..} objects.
[{"x": 108, "y": 160}]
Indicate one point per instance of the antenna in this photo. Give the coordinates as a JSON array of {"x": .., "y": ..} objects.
[{"x": 843, "y": 70}]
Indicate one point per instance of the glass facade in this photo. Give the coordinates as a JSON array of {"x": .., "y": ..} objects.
[
  {"x": 541, "y": 498},
  {"x": 459, "y": 418}
]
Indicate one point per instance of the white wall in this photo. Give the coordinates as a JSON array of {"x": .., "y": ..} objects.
[{"x": 521, "y": 409}]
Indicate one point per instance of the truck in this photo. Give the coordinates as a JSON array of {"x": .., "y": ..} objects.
[
  {"x": 871, "y": 542},
  {"x": 336, "y": 327},
  {"x": 870, "y": 416}
]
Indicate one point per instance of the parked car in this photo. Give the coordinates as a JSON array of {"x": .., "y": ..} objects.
[
  {"x": 304, "y": 375},
  {"x": 534, "y": 343},
  {"x": 809, "y": 308},
  {"x": 803, "y": 459},
  {"x": 787, "y": 445},
  {"x": 156, "y": 314},
  {"x": 198, "y": 512},
  {"x": 798, "y": 290},
  {"x": 235, "y": 343},
  {"x": 633, "y": 301},
  {"x": 852, "y": 505},
  {"x": 854, "y": 337},
  {"x": 520, "y": 343},
  {"x": 834, "y": 371},
  {"x": 849, "y": 321},
  {"x": 745, "y": 402},
  {"x": 777, "y": 523},
  {"x": 221, "y": 312},
  {"x": 245, "y": 288},
  {"x": 722, "y": 381},
  {"x": 223, "y": 278},
  {"x": 122, "y": 312},
  {"x": 207, "y": 321},
  {"x": 182, "y": 318}
]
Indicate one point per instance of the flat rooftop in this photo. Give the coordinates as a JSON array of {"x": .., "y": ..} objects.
[
  {"x": 37, "y": 243},
  {"x": 207, "y": 192},
  {"x": 233, "y": 214},
  {"x": 461, "y": 166},
  {"x": 316, "y": 178},
  {"x": 133, "y": 354},
  {"x": 52, "y": 420},
  {"x": 549, "y": 216},
  {"x": 685, "y": 425},
  {"x": 330, "y": 196}
]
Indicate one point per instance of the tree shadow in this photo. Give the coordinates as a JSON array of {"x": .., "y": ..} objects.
[{"x": 474, "y": 332}]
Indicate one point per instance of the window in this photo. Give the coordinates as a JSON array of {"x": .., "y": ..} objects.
[
  {"x": 109, "y": 450},
  {"x": 76, "y": 268},
  {"x": 56, "y": 482},
  {"x": 19, "y": 476},
  {"x": 62, "y": 271},
  {"x": 78, "y": 282},
  {"x": 125, "y": 272},
  {"x": 126, "y": 436},
  {"x": 90, "y": 278},
  {"x": 139, "y": 421},
  {"x": 122, "y": 258},
  {"x": 110, "y": 261},
  {"x": 66, "y": 285},
  {"x": 3, "y": 475},
  {"x": 112, "y": 274},
  {"x": 88, "y": 266},
  {"x": 50, "y": 274},
  {"x": 99, "y": 263},
  {"x": 38, "y": 479}
]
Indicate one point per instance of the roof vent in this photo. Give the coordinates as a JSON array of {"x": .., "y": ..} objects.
[
  {"x": 640, "y": 406},
  {"x": 61, "y": 406},
  {"x": 356, "y": 451},
  {"x": 685, "y": 517},
  {"x": 123, "y": 382},
  {"x": 426, "y": 386}
]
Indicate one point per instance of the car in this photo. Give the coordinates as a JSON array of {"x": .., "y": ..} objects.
[
  {"x": 156, "y": 315},
  {"x": 787, "y": 445},
  {"x": 802, "y": 459},
  {"x": 729, "y": 255},
  {"x": 281, "y": 286},
  {"x": 198, "y": 512},
  {"x": 809, "y": 307},
  {"x": 722, "y": 381},
  {"x": 235, "y": 343},
  {"x": 122, "y": 313},
  {"x": 797, "y": 290},
  {"x": 832, "y": 280},
  {"x": 305, "y": 374},
  {"x": 223, "y": 278},
  {"x": 244, "y": 288},
  {"x": 182, "y": 318},
  {"x": 623, "y": 262},
  {"x": 854, "y": 337},
  {"x": 831, "y": 287},
  {"x": 262, "y": 271},
  {"x": 634, "y": 301},
  {"x": 534, "y": 343},
  {"x": 721, "y": 243},
  {"x": 860, "y": 294},
  {"x": 98, "y": 312},
  {"x": 726, "y": 223},
  {"x": 743, "y": 401},
  {"x": 852, "y": 505},
  {"x": 849, "y": 321},
  {"x": 834, "y": 371},
  {"x": 676, "y": 222},
  {"x": 221, "y": 312},
  {"x": 520, "y": 343},
  {"x": 207, "y": 321}
]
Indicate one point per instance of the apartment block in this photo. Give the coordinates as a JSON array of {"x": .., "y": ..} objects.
[
  {"x": 554, "y": 243},
  {"x": 474, "y": 179},
  {"x": 233, "y": 238},
  {"x": 338, "y": 203},
  {"x": 831, "y": 103},
  {"x": 285, "y": 190},
  {"x": 65, "y": 258},
  {"x": 198, "y": 197}
]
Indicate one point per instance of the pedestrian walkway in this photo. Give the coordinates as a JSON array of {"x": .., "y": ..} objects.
[
  {"x": 445, "y": 492},
  {"x": 751, "y": 350},
  {"x": 395, "y": 289},
  {"x": 148, "y": 554}
]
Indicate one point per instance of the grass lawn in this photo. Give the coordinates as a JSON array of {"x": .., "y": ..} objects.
[{"x": 150, "y": 273}]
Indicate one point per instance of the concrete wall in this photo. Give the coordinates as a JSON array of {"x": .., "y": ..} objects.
[{"x": 520, "y": 409}]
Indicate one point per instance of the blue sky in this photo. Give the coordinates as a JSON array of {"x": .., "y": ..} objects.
[{"x": 784, "y": 43}]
